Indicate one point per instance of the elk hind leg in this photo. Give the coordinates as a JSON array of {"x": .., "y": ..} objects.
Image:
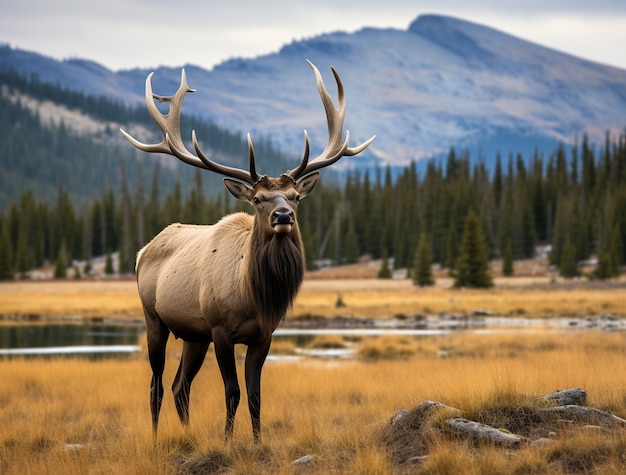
[
  {"x": 157, "y": 333},
  {"x": 190, "y": 363}
]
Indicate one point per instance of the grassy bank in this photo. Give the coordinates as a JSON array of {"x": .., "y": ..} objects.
[{"x": 360, "y": 298}]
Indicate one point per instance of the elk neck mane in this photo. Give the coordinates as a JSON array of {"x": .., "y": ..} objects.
[{"x": 276, "y": 271}]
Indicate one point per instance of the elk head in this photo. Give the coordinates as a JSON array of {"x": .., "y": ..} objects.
[{"x": 274, "y": 198}]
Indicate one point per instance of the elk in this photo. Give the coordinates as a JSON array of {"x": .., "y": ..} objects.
[{"x": 231, "y": 282}]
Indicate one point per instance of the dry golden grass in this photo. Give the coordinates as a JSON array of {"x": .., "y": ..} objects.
[
  {"x": 85, "y": 298},
  {"x": 532, "y": 297},
  {"x": 75, "y": 416},
  {"x": 523, "y": 296}
]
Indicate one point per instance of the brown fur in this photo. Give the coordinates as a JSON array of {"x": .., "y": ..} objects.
[{"x": 234, "y": 263}]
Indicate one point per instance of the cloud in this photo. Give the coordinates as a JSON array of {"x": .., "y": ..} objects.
[{"x": 129, "y": 33}]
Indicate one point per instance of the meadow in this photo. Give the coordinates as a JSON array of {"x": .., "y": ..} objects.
[
  {"x": 75, "y": 416},
  {"x": 534, "y": 297}
]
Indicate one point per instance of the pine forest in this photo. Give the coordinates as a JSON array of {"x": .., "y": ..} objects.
[{"x": 571, "y": 200}]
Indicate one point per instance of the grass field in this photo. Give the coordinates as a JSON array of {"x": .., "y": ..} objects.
[{"x": 74, "y": 416}]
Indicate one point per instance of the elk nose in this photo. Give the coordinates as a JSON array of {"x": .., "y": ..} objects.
[{"x": 283, "y": 218}]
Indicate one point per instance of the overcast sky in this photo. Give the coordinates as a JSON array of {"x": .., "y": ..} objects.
[{"x": 122, "y": 34}]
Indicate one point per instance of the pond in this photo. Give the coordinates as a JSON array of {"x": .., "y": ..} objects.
[
  {"x": 89, "y": 339},
  {"x": 105, "y": 340}
]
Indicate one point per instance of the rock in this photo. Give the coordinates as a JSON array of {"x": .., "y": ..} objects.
[
  {"x": 480, "y": 431},
  {"x": 541, "y": 442},
  {"x": 568, "y": 396},
  {"x": 398, "y": 416},
  {"x": 74, "y": 447},
  {"x": 302, "y": 460},
  {"x": 588, "y": 414}
]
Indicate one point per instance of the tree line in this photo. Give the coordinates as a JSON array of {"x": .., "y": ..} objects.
[
  {"x": 572, "y": 200},
  {"x": 41, "y": 156}
]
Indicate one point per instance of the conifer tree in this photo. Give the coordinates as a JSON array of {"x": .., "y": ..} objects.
[
  {"x": 617, "y": 249},
  {"x": 472, "y": 268},
  {"x": 60, "y": 268},
  {"x": 422, "y": 266},
  {"x": 609, "y": 258},
  {"x": 351, "y": 245},
  {"x": 6, "y": 255},
  {"x": 23, "y": 262},
  {"x": 452, "y": 248},
  {"x": 507, "y": 262},
  {"x": 108, "y": 264},
  {"x": 385, "y": 271},
  {"x": 605, "y": 269},
  {"x": 568, "y": 266}
]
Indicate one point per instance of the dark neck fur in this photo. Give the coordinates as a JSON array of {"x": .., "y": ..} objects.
[{"x": 276, "y": 273}]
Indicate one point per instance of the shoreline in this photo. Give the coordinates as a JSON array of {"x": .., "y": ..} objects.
[{"x": 117, "y": 299}]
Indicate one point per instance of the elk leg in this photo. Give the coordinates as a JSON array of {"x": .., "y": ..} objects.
[
  {"x": 225, "y": 353},
  {"x": 157, "y": 334},
  {"x": 190, "y": 363},
  {"x": 255, "y": 358}
]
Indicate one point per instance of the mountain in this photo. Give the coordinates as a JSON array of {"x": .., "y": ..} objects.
[{"x": 440, "y": 83}]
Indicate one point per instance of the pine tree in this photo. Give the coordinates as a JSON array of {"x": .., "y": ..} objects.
[
  {"x": 568, "y": 266},
  {"x": 472, "y": 268},
  {"x": 507, "y": 262},
  {"x": 351, "y": 245},
  {"x": 385, "y": 271},
  {"x": 60, "y": 268},
  {"x": 422, "y": 273},
  {"x": 605, "y": 269},
  {"x": 609, "y": 258},
  {"x": 108, "y": 264},
  {"x": 6, "y": 255},
  {"x": 616, "y": 250}
]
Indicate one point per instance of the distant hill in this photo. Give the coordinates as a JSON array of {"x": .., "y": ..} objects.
[
  {"x": 440, "y": 83},
  {"x": 56, "y": 138}
]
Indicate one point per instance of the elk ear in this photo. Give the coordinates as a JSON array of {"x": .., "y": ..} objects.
[
  {"x": 239, "y": 190},
  {"x": 305, "y": 185}
]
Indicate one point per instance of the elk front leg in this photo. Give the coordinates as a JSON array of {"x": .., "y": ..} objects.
[
  {"x": 255, "y": 358},
  {"x": 225, "y": 353}
]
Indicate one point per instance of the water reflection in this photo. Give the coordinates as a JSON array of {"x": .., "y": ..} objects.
[
  {"x": 69, "y": 339},
  {"x": 103, "y": 340}
]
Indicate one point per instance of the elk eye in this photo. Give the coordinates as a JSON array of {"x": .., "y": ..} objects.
[
  {"x": 297, "y": 198},
  {"x": 256, "y": 200}
]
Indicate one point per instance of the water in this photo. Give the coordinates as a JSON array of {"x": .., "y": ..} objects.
[
  {"x": 103, "y": 340},
  {"x": 92, "y": 340}
]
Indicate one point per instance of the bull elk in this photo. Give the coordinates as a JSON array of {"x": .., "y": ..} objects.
[{"x": 231, "y": 282}]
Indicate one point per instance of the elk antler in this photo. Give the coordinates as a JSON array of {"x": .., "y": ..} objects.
[
  {"x": 172, "y": 143},
  {"x": 336, "y": 147}
]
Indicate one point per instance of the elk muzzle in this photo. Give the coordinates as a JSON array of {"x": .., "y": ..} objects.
[{"x": 282, "y": 221}]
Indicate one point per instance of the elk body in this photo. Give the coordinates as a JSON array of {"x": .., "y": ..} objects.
[{"x": 231, "y": 282}]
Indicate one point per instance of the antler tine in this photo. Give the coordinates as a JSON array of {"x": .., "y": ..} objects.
[
  {"x": 250, "y": 177},
  {"x": 252, "y": 166},
  {"x": 336, "y": 147},
  {"x": 172, "y": 143},
  {"x": 298, "y": 172}
]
